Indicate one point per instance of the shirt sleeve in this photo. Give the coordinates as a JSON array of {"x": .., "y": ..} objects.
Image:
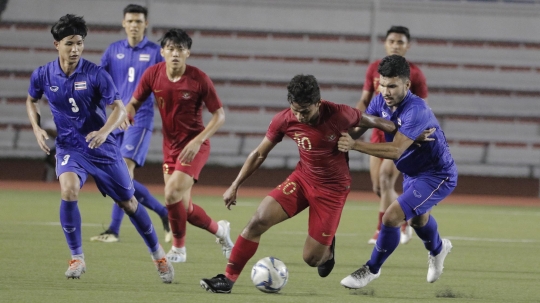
[
  {"x": 374, "y": 107},
  {"x": 419, "y": 85},
  {"x": 105, "y": 62},
  {"x": 209, "y": 95},
  {"x": 35, "y": 90},
  {"x": 276, "y": 129},
  {"x": 349, "y": 116},
  {"x": 368, "y": 81},
  {"x": 144, "y": 88},
  {"x": 414, "y": 121},
  {"x": 106, "y": 86}
]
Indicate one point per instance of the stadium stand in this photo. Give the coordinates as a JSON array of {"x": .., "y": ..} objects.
[{"x": 483, "y": 81}]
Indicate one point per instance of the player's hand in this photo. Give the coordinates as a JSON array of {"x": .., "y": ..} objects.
[
  {"x": 229, "y": 197},
  {"x": 189, "y": 152},
  {"x": 128, "y": 121},
  {"x": 41, "y": 136},
  {"x": 96, "y": 138},
  {"x": 345, "y": 142},
  {"x": 355, "y": 132},
  {"x": 424, "y": 136}
]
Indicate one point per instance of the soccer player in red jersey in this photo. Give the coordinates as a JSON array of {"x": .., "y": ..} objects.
[
  {"x": 180, "y": 91},
  {"x": 321, "y": 180},
  {"x": 383, "y": 172}
]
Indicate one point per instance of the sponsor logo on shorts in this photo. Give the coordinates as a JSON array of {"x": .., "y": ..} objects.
[
  {"x": 417, "y": 194},
  {"x": 184, "y": 164},
  {"x": 326, "y": 235},
  {"x": 130, "y": 147},
  {"x": 120, "y": 56},
  {"x": 53, "y": 89}
]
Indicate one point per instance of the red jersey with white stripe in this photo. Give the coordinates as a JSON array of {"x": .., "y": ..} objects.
[
  {"x": 320, "y": 160},
  {"x": 180, "y": 103}
]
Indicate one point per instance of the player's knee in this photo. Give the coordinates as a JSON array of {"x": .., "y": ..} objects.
[
  {"x": 69, "y": 193},
  {"x": 391, "y": 219},
  {"x": 129, "y": 207}
]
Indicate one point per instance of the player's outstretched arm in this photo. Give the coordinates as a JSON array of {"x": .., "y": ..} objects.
[
  {"x": 33, "y": 114},
  {"x": 390, "y": 150},
  {"x": 117, "y": 117},
  {"x": 252, "y": 163},
  {"x": 369, "y": 121}
]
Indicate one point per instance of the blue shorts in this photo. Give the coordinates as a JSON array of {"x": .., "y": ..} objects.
[
  {"x": 134, "y": 143},
  {"x": 111, "y": 179},
  {"x": 421, "y": 193}
]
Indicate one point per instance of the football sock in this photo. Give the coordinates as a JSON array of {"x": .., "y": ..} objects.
[
  {"x": 198, "y": 217},
  {"x": 70, "y": 220},
  {"x": 381, "y": 214},
  {"x": 177, "y": 219},
  {"x": 430, "y": 236},
  {"x": 243, "y": 251},
  {"x": 143, "y": 224},
  {"x": 145, "y": 198},
  {"x": 117, "y": 215},
  {"x": 387, "y": 242}
]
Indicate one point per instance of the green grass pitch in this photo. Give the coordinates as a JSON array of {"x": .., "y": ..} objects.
[{"x": 495, "y": 256}]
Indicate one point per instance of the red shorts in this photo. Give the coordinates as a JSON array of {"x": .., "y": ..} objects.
[
  {"x": 377, "y": 136},
  {"x": 325, "y": 204},
  {"x": 193, "y": 169}
]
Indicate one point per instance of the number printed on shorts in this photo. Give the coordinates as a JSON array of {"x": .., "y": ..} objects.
[
  {"x": 66, "y": 159},
  {"x": 74, "y": 107},
  {"x": 131, "y": 74}
]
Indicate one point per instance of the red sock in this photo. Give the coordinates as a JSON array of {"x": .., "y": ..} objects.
[
  {"x": 199, "y": 218},
  {"x": 243, "y": 251},
  {"x": 381, "y": 214},
  {"x": 177, "y": 219}
]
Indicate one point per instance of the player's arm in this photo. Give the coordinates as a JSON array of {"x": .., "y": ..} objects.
[
  {"x": 116, "y": 118},
  {"x": 252, "y": 163},
  {"x": 192, "y": 148},
  {"x": 131, "y": 109},
  {"x": 390, "y": 150},
  {"x": 34, "y": 116},
  {"x": 364, "y": 100}
]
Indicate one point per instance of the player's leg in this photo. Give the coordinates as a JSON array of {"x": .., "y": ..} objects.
[
  {"x": 374, "y": 171},
  {"x": 268, "y": 214},
  {"x": 72, "y": 171},
  {"x": 387, "y": 242},
  {"x": 388, "y": 178},
  {"x": 114, "y": 180},
  {"x": 177, "y": 194}
]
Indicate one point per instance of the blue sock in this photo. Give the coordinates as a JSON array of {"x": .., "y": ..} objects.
[
  {"x": 387, "y": 242},
  {"x": 70, "y": 220},
  {"x": 143, "y": 224},
  {"x": 117, "y": 215},
  {"x": 430, "y": 235},
  {"x": 145, "y": 198}
]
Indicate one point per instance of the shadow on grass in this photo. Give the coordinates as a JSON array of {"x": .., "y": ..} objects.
[
  {"x": 363, "y": 292},
  {"x": 450, "y": 293}
]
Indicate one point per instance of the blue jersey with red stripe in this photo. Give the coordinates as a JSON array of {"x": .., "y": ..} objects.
[
  {"x": 78, "y": 105},
  {"x": 126, "y": 65},
  {"x": 412, "y": 116}
]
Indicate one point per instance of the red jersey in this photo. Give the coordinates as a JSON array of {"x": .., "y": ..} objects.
[
  {"x": 320, "y": 160},
  {"x": 180, "y": 103},
  {"x": 418, "y": 80}
]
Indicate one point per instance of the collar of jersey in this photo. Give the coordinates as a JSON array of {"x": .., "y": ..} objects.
[
  {"x": 59, "y": 71},
  {"x": 140, "y": 45}
]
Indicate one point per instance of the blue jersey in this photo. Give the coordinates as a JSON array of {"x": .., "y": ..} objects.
[
  {"x": 126, "y": 65},
  {"x": 78, "y": 105},
  {"x": 412, "y": 117}
]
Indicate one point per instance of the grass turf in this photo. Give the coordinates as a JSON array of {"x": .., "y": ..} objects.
[{"x": 495, "y": 256}]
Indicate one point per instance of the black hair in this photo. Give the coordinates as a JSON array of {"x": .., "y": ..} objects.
[
  {"x": 303, "y": 90},
  {"x": 177, "y": 37},
  {"x": 136, "y": 9},
  {"x": 399, "y": 30},
  {"x": 69, "y": 25},
  {"x": 394, "y": 66}
]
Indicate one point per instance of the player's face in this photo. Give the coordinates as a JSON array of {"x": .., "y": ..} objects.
[
  {"x": 306, "y": 114},
  {"x": 393, "y": 89},
  {"x": 396, "y": 44},
  {"x": 175, "y": 55},
  {"x": 135, "y": 24},
  {"x": 70, "y": 49}
]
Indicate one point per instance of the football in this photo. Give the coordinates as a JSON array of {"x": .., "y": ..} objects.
[{"x": 269, "y": 275}]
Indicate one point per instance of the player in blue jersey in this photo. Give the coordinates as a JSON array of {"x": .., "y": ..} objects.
[
  {"x": 125, "y": 61},
  {"x": 429, "y": 172},
  {"x": 78, "y": 91}
]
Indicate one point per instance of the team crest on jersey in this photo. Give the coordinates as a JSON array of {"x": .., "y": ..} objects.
[
  {"x": 186, "y": 95},
  {"x": 53, "y": 89},
  {"x": 80, "y": 85},
  {"x": 330, "y": 137},
  {"x": 120, "y": 56},
  {"x": 384, "y": 114},
  {"x": 144, "y": 57}
]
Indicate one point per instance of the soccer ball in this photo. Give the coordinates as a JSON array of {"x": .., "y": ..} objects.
[{"x": 269, "y": 274}]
